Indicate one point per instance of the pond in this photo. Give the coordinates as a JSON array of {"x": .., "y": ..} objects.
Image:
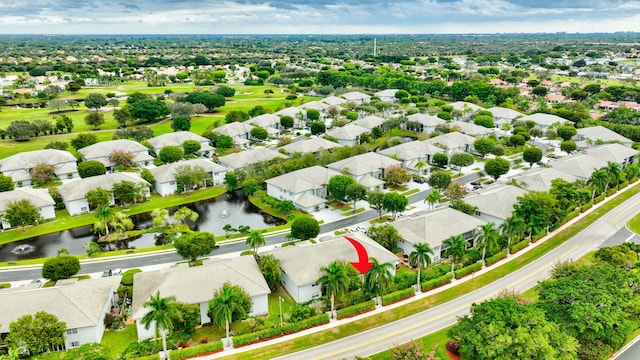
[{"x": 214, "y": 214}]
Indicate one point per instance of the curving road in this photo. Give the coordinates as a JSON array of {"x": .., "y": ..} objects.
[{"x": 609, "y": 229}]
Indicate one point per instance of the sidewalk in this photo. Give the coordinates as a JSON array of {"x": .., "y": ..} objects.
[{"x": 418, "y": 297}]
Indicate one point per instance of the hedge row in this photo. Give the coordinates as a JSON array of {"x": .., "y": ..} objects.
[
  {"x": 519, "y": 246},
  {"x": 356, "y": 309},
  {"x": 196, "y": 350},
  {"x": 148, "y": 357},
  {"x": 398, "y": 295},
  {"x": 434, "y": 283},
  {"x": 468, "y": 270},
  {"x": 495, "y": 258},
  {"x": 571, "y": 215},
  {"x": 599, "y": 198},
  {"x": 611, "y": 191},
  {"x": 586, "y": 206},
  {"x": 246, "y": 339}
]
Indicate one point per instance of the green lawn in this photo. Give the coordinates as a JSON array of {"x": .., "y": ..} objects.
[
  {"x": 437, "y": 340},
  {"x": 117, "y": 341},
  {"x": 634, "y": 224}
]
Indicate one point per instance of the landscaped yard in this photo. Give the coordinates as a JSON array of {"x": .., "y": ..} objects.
[
  {"x": 634, "y": 224},
  {"x": 117, "y": 341}
]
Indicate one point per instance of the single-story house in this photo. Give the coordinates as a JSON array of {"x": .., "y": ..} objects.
[
  {"x": 495, "y": 202},
  {"x": 73, "y": 193},
  {"x": 197, "y": 285},
  {"x": 357, "y": 97},
  {"x": 82, "y": 305},
  {"x": 165, "y": 175},
  {"x": 544, "y": 121},
  {"x": 615, "y": 152},
  {"x": 102, "y": 151},
  {"x": 245, "y": 158},
  {"x": 591, "y": 136},
  {"x": 466, "y": 108},
  {"x": 412, "y": 152},
  {"x": 503, "y": 115},
  {"x": 539, "y": 179},
  {"x": 267, "y": 121},
  {"x": 296, "y": 113},
  {"x": 426, "y": 123},
  {"x": 369, "y": 122},
  {"x": 40, "y": 198},
  {"x": 348, "y": 135},
  {"x": 469, "y": 128},
  {"x": 434, "y": 227},
  {"x": 240, "y": 132},
  {"x": 581, "y": 166},
  {"x": 388, "y": 95},
  {"x": 334, "y": 101},
  {"x": 452, "y": 142},
  {"x": 359, "y": 166},
  {"x": 301, "y": 264},
  {"x": 316, "y": 105},
  {"x": 19, "y": 166},
  {"x": 306, "y": 188},
  {"x": 177, "y": 138},
  {"x": 311, "y": 145}
]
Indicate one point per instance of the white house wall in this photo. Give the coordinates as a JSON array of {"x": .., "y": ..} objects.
[
  {"x": 145, "y": 333},
  {"x": 165, "y": 188},
  {"x": 47, "y": 212},
  {"x": 281, "y": 194}
]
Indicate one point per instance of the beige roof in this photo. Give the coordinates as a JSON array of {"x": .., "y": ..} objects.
[
  {"x": 436, "y": 226},
  {"x": 347, "y": 132},
  {"x": 496, "y": 200},
  {"x": 235, "y": 129},
  {"x": 64, "y": 162},
  {"x": 411, "y": 150},
  {"x": 77, "y": 189},
  {"x": 167, "y": 172},
  {"x": 177, "y": 138},
  {"x": 426, "y": 120},
  {"x": 302, "y": 262},
  {"x": 245, "y": 158},
  {"x": 333, "y": 101},
  {"x": 38, "y": 197},
  {"x": 469, "y": 128},
  {"x": 314, "y": 177},
  {"x": 317, "y": 105},
  {"x": 369, "y": 181},
  {"x": 356, "y": 96},
  {"x": 194, "y": 285},
  {"x": 385, "y": 93},
  {"x": 311, "y": 145},
  {"x": 308, "y": 200},
  {"x": 369, "y": 122},
  {"x": 579, "y": 165},
  {"x": 451, "y": 140},
  {"x": 105, "y": 148},
  {"x": 264, "y": 120},
  {"x": 601, "y": 133},
  {"x": 463, "y": 105},
  {"x": 505, "y": 113},
  {"x": 79, "y": 304},
  {"x": 364, "y": 163},
  {"x": 290, "y": 111},
  {"x": 545, "y": 119},
  {"x": 540, "y": 179},
  {"x": 612, "y": 152}
]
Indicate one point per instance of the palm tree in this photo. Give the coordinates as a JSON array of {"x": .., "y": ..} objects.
[
  {"x": 614, "y": 171},
  {"x": 488, "y": 237},
  {"x": 513, "y": 228},
  {"x": 163, "y": 310},
  {"x": 433, "y": 198},
  {"x": 456, "y": 248},
  {"x": 225, "y": 303},
  {"x": 336, "y": 281},
  {"x": 420, "y": 165},
  {"x": 105, "y": 213},
  {"x": 255, "y": 240},
  {"x": 599, "y": 179},
  {"x": 632, "y": 171},
  {"x": 420, "y": 258},
  {"x": 378, "y": 278}
]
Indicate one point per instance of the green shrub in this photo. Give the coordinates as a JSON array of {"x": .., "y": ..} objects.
[
  {"x": 519, "y": 246},
  {"x": 397, "y": 296},
  {"x": 434, "y": 283},
  {"x": 599, "y": 198},
  {"x": 468, "y": 270},
  {"x": 571, "y": 215},
  {"x": 586, "y": 206},
  {"x": 195, "y": 350},
  {"x": 356, "y": 309},
  {"x": 495, "y": 258},
  {"x": 288, "y": 328},
  {"x": 5, "y": 285},
  {"x": 127, "y": 277},
  {"x": 148, "y": 357},
  {"x": 611, "y": 191}
]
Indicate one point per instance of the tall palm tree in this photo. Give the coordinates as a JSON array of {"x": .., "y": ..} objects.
[
  {"x": 513, "y": 227},
  {"x": 378, "y": 279},
  {"x": 225, "y": 303},
  {"x": 336, "y": 280},
  {"x": 599, "y": 179},
  {"x": 420, "y": 258},
  {"x": 420, "y": 165},
  {"x": 255, "y": 240},
  {"x": 488, "y": 237},
  {"x": 632, "y": 170},
  {"x": 105, "y": 213},
  {"x": 614, "y": 171},
  {"x": 162, "y": 310},
  {"x": 456, "y": 248},
  {"x": 433, "y": 198}
]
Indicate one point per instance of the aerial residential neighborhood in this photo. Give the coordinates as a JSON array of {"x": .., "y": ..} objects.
[{"x": 227, "y": 194}]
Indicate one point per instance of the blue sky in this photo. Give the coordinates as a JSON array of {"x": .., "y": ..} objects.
[{"x": 315, "y": 16}]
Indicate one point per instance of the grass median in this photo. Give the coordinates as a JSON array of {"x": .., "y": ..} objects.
[{"x": 355, "y": 327}]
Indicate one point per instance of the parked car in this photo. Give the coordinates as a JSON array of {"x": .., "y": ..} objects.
[
  {"x": 419, "y": 180},
  {"x": 111, "y": 272}
]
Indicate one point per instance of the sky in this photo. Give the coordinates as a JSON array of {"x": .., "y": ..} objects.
[{"x": 316, "y": 16}]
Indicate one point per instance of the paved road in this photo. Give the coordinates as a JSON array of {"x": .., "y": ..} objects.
[
  {"x": 420, "y": 324},
  {"x": 630, "y": 353},
  {"x": 164, "y": 258}
]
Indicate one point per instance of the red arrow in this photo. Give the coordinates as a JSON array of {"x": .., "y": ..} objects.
[{"x": 363, "y": 265}]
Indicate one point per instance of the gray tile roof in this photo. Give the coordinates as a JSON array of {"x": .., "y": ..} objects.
[
  {"x": 347, "y": 132},
  {"x": 462, "y": 105},
  {"x": 245, "y": 158},
  {"x": 546, "y": 119},
  {"x": 540, "y": 179},
  {"x": 333, "y": 101},
  {"x": 412, "y": 150},
  {"x": 79, "y": 304},
  {"x": 601, "y": 133},
  {"x": 369, "y": 122},
  {"x": 194, "y": 285},
  {"x": 505, "y": 113},
  {"x": 290, "y": 111},
  {"x": 364, "y": 163},
  {"x": 451, "y": 140},
  {"x": 167, "y": 172},
  {"x": 177, "y": 138},
  {"x": 77, "y": 189},
  {"x": 356, "y": 96},
  {"x": 612, "y": 152},
  {"x": 38, "y": 197},
  {"x": 235, "y": 129},
  {"x": 307, "y": 200},
  {"x": 579, "y": 165},
  {"x": 311, "y": 145},
  {"x": 105, "y": 148},
  {"x": 426, "y": 120},
  {"x": 496, "y": 200},
  {"x": 264, "y": 120},
  {"x": 17, "y": 166},
  {"x": 469, "y": 128},
  {"x": 314, "y": 177},
  {"x": 302, "y": 262},
  {"x": 434, "y": 227}
]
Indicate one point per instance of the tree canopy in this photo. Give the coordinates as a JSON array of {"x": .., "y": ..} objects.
[{"x": 193, "y": 245}]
